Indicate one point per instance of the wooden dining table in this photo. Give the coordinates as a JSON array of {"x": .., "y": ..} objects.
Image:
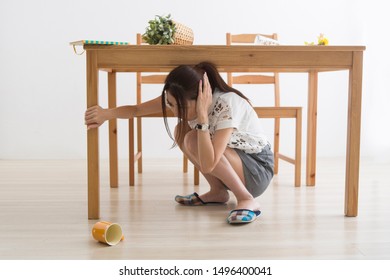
[{"x": 282, "y": 59}]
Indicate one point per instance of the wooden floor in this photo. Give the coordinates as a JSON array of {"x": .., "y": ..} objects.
[{"x": 43, "y": 215}]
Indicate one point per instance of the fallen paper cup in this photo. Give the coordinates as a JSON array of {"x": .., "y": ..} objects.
[{"x": 107, "y": 232}]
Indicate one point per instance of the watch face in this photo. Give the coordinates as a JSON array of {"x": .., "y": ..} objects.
[{"x": 202, "y": 127}]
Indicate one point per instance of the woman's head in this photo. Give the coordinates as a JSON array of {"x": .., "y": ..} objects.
[
  {"x": 180, "y": 93},
  {"x": 181, "y": 90}
]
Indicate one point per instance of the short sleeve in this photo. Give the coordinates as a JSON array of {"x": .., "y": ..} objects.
[{"x": 223, "y": 114}]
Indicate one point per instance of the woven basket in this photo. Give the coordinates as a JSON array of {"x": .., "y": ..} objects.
[{"x": 183, "y": 35}]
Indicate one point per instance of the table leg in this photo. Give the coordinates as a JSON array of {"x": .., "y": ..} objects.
[
  {"x": 92, "y": 138},
  {"x": 311, "y": 148},
  {"x": 353, "y": 136},
  {"x": 112, "y": 131}
]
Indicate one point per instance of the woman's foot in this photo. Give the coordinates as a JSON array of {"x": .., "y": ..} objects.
[
  {"x": 250, "y": 204},
  {"x": 245, "y": 212},
  {"x": 212, "y": 196},
  {"x": 205, "y": 199}
]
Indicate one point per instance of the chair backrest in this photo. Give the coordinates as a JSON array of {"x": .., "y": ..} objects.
[
  {"x": 269, "y": 78},
  {"x": 247, "y": 38},
  {"x": 150, "y": 79},
  {"x": 147, "y": 78}
]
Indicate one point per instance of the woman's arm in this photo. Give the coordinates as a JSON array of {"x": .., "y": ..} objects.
[
  {"x": 95, "y": 116},
  {"x": 209, "y": 151}
]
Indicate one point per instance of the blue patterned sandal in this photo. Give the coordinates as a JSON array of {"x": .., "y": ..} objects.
[{"x": 242, "y": 216}]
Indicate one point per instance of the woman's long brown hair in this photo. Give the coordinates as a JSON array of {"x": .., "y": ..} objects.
[{"x": 183, "y": 83}]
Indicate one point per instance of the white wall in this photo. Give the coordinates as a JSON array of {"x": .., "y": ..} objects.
[{"x": 42, "y": 88}]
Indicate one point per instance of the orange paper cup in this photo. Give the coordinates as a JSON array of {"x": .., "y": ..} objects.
[{"x": 107, "y": 232}]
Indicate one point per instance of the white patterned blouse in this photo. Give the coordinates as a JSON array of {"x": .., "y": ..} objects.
[{"x": 229, "y": 110}]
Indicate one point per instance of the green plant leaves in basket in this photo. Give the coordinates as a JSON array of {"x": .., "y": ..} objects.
[{"x": 160, "y": 31}]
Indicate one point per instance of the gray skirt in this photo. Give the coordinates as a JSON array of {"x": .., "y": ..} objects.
[{"x": 258, "y": 170}]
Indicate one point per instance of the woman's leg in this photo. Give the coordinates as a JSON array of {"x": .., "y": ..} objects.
[
  {"x": 218, "y": 191},
  {"x": 228, "y": 171}
]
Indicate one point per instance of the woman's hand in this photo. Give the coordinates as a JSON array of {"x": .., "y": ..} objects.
[
  {"x": 204, "y": 100},
  {"x": 95, "y": 116}
]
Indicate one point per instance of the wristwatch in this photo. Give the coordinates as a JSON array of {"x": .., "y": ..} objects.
[{"x": 202, "y": 126}]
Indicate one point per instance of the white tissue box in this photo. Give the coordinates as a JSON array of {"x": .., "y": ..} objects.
[{"x": 261, "y": 40}]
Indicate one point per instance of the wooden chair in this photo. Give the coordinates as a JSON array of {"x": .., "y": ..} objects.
[
  {"x": 133, "y": 157},
  {"x": 288, "y": 112},
  {"x": 271, "y": 78}
]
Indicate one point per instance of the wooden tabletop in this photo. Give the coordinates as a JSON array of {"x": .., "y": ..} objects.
[{"x": 228, "y": 58}]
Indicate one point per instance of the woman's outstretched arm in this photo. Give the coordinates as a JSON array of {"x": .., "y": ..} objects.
[{"x": 95, "y": 116}]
